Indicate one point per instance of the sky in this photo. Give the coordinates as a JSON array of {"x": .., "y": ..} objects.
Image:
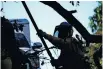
[{"x": 46, "y": 18}]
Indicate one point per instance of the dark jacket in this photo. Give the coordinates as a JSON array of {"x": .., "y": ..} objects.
[{"x": 70, "y": 56}]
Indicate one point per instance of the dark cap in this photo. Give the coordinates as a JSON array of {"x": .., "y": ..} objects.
[{"x": 65, "y": 25}]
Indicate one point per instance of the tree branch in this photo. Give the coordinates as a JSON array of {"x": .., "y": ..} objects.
[{"x": 73, "y": 21}]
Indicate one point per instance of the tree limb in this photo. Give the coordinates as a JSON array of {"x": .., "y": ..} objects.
[{"x": 73, "y": 21}]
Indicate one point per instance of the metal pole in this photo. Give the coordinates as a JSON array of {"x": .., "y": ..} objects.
[{"x": 36, "y": 27}]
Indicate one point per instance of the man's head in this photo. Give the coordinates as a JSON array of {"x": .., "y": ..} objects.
[{"x": 65, "y": 30}]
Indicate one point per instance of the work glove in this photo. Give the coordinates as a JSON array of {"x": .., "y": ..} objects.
[{"x": 41, "y": 33}]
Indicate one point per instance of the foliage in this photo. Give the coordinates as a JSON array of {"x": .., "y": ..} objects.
[
  {"x": 96, "y": 20},
  {"x": 96, "y": 27},
  {"x": 77, "y": 3}
]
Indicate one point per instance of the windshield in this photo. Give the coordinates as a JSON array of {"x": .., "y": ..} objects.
[{"x": 21, "y": 40}]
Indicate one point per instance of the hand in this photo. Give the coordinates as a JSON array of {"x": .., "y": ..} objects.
[{"x": 41, "y": 33}]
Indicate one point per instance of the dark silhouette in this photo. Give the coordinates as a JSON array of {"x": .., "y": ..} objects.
[
  {"x": 71, "y": 55},
  {"x": 8, "y": 43}
]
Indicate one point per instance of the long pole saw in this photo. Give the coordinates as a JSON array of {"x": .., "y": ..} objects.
[{"x": 37, "y": 29}]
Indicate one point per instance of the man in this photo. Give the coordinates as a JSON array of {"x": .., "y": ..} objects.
[{"x": 70, "y": 57}]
